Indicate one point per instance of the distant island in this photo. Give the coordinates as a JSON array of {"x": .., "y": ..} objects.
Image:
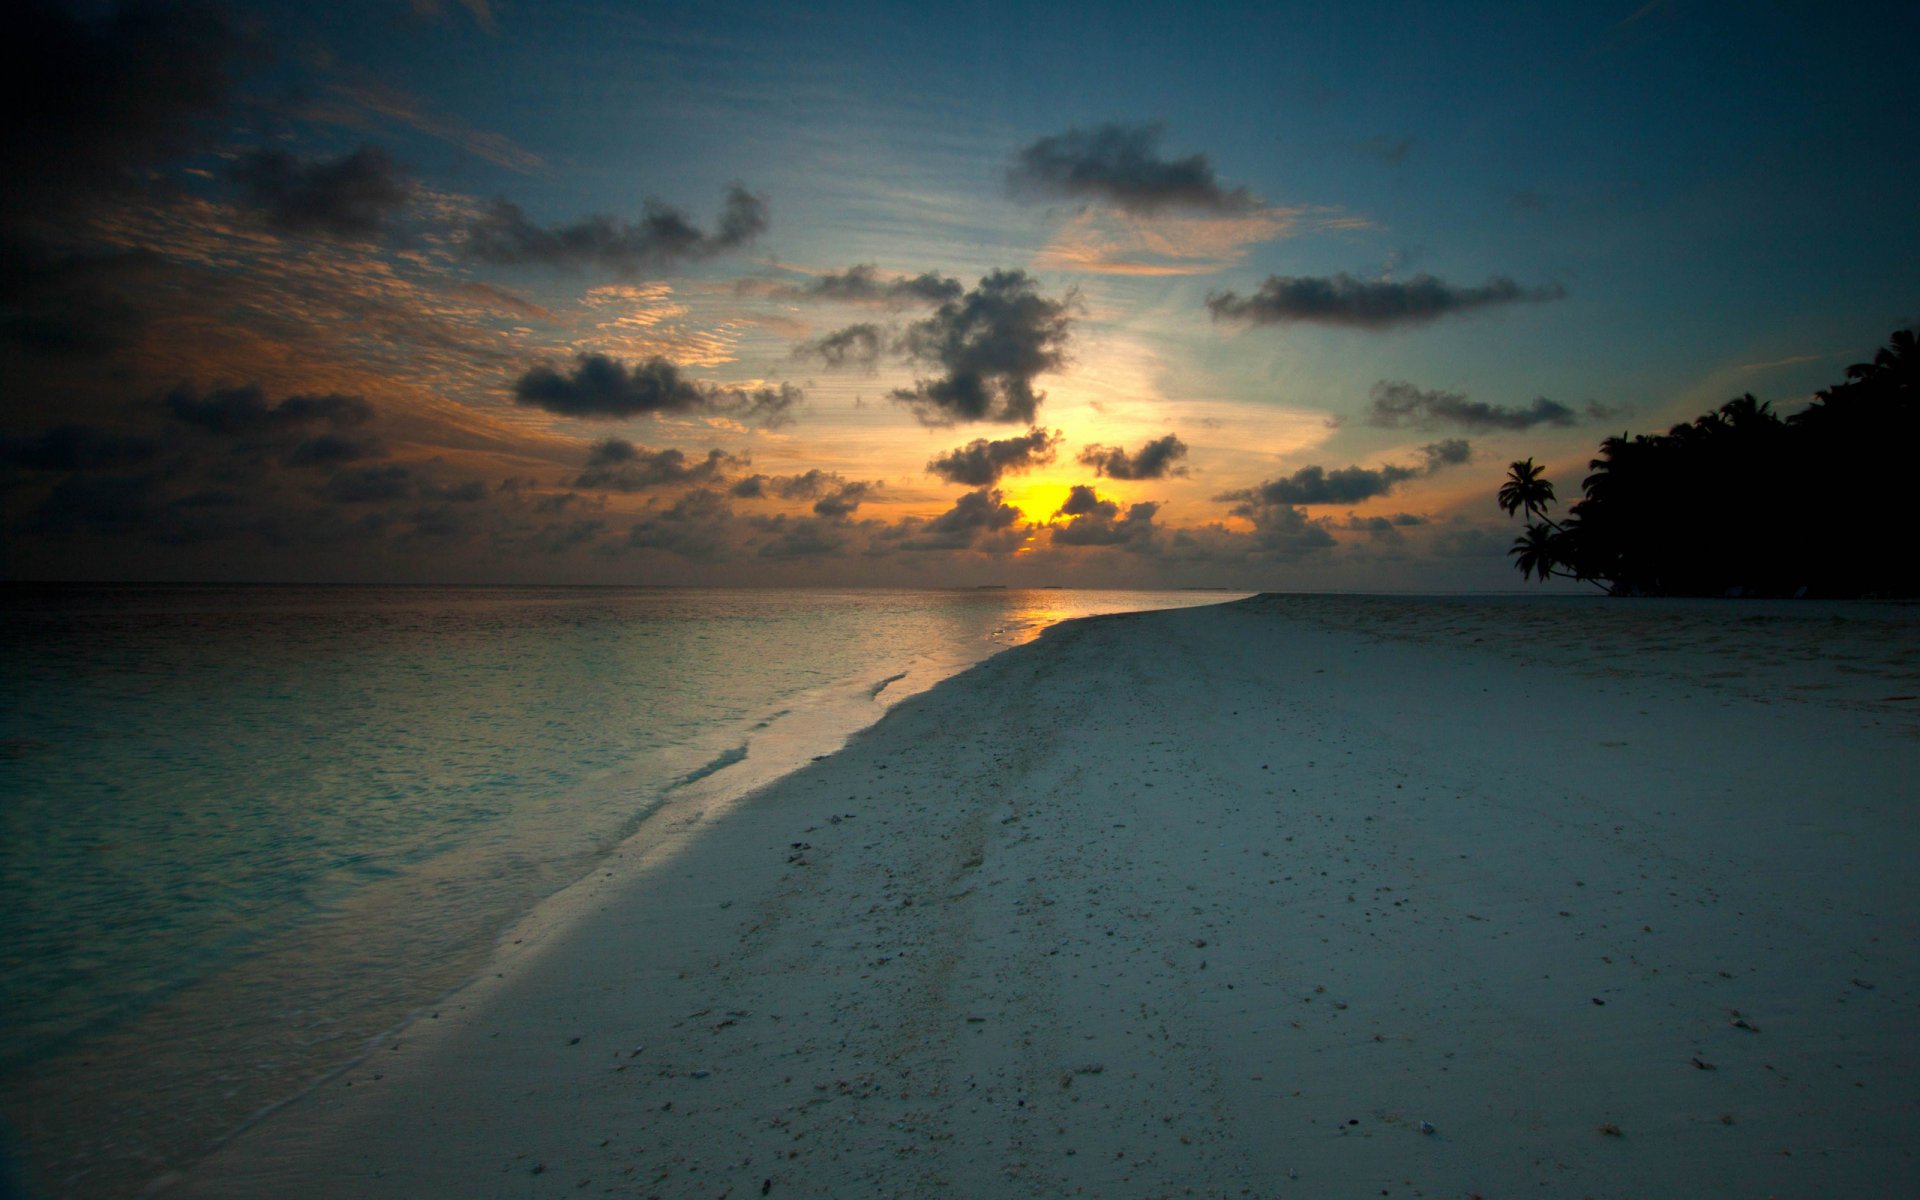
[{"x": 1741, "y": 501}]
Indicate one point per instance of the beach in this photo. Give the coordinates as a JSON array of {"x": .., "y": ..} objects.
[{"x": 1295, "y": 896}]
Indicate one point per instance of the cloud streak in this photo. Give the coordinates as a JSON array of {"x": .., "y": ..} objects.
[
  {"x": 1315, "y": 485},
  {"x": 862, "y": 284},
  {"x": 1398, "y": 405},
  {"x": 505, "y": 235},
  {"x": 1121, "y": 165},
  {"x": 602, "y": 387},
  {"x": 1369, "y": 304}
]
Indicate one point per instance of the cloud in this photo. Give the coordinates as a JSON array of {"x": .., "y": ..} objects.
[
  {"x": 834, "y": 497},
  {"x": 1093, "y": 521},
  {"x": 1314, "y": 485},
  {"x": 861, "y": 284},
  {"x": 790, "y": 537},
  {"x": 1155, "y": 460},
  {"x": 1384, "y": 529},
  {"x": 854, "y": 346},
  {"x": 369, "y": 485},
  {"x": 1450, "y": 452},
  {"x": 77, "y": 448},
  {"x": 1317, "y": 485},
  {"x": 97, "y": 503},
  {"x": 244, "y": 410},
  {"x": 981, "y": 463},
  {"x": 114, "y": 89},
  {"x": 1398, "y": 405},
  {"x": 620, "y": 466},
  {"x": 350, "y": 197},
  {"x": 1373, "y": 304},
  {"x": 840, "y": 503},
  {"x": 505, "y": 235},
  {"x": 972, "y": 523},
  {"x": 698, "y": 526},
  {"x": 1121, "y": 165},
  {"x": 600, "y": 387},
  {"x": 990, "y": 344},
  {"x": 332, "y": 449}
]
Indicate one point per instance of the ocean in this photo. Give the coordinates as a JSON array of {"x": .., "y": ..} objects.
[{"x": 245, "y": 830}]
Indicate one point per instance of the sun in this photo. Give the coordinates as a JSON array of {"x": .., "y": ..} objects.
[{"x": 1037, "y": 499}]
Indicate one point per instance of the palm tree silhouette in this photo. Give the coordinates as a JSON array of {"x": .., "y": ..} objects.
[
  {"x": 1527, "y": 489},
  {"x": 1536, "y": 551}
]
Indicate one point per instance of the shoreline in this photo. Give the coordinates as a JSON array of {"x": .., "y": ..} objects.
[
  {"x": 1059, "y": 951},
  {"x": 134, "y": 1099}
]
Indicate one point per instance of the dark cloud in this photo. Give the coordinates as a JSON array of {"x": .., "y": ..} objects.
[
  {"x": 840, "y": 503},
  {"x": 834, "y": 497},
  {"x": 111, "y": 90},
  {"x": 1450, "y": 452},
  {"x": 1347, "y": 485},
  {"x": 1155, "y": 460},
  {"x": 604, "y": 387},
  {"x": 244, "y": 410},
  {"x": 789, "y": 537},
  {"x": 1399, "y": 404},
  {"x": 349, "y": 197},
  {"x": 990, "y": 344},
  {"x": 1097, "y": 522},
  {"x": 620, "y": 466},
  {"x": 854, "y": 346},
  {"x": 77, "y": 448},
  {"x": 981, "y": 463},
  {"x": 979, "y": 519},
  {"x": 1317, "y": 485},
  {"x": 71, "y": 303},
  {"x": 369, "y": 485},
  {"x": 1121, "y": 165},
  {"x": 506, "y": 235},
  {"x": 100, "y": 503},
  {"x": 333, "y": 449},
  {"x": 1384, "y": 529},
  {"x": 1367, "y": 303},
  {"x": 861, "y": 284},
  {"x": 698, "y": 526}
]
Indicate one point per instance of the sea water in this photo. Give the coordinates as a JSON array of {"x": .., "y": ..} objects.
[{"x": 243, "y": 830}]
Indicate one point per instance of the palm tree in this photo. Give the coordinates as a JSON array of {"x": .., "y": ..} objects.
[
  {"x": 1527, "y": 489},
  {"x": 1537, "y": 552}
]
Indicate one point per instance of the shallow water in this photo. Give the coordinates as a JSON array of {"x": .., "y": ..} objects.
[{"x": 242, "y": 830}]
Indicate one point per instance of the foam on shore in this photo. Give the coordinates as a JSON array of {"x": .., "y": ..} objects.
[{"x": 1295, "y": 896}]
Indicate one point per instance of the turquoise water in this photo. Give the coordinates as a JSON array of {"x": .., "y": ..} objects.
[{"x": 268, "y": 819}]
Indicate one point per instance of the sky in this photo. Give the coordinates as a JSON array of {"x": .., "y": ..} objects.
[{"x": 1143, "y": 295}]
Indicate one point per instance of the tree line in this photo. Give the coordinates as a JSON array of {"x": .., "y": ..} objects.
[{"x": 1743, "y": 501}]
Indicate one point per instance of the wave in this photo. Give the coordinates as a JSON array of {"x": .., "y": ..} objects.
[{"x": 719, "y": 762}]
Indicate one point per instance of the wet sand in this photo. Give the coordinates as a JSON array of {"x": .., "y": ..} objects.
[{"x": 1296, "y": 896}]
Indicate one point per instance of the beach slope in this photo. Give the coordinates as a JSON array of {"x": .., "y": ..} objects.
[{"x": 1292, "y": 896}]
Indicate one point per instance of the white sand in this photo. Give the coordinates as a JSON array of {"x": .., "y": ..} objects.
[{"x": 1228, "y": 902}]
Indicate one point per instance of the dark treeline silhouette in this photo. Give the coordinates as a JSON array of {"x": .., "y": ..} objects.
[{"x": 1744, "y": 502}]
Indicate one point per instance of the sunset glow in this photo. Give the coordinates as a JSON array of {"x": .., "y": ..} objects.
[{"x": 686, "y": 294}]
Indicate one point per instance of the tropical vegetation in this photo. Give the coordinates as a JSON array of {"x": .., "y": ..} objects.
[{"x": 1744, "y": 501}]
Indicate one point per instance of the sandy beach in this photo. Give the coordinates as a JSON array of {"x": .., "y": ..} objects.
[{"x": 1297, "y": 896}]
